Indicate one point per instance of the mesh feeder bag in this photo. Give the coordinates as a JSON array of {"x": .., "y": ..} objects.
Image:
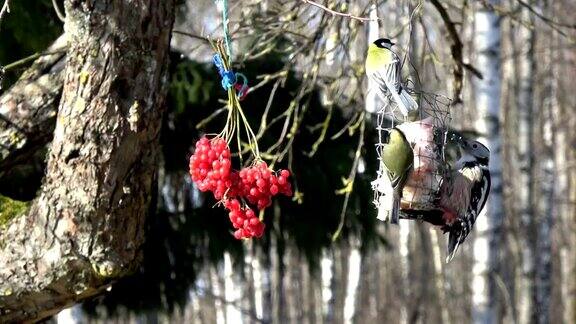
[{"x": 427, "y": 137}]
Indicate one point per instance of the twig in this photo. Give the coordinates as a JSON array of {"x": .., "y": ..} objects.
[
  {"x": 549, "y": 22},
  {"x": 59, "y": 13},
  {"x": 544, "y": 18},
  {"x": 337, "y": 13},
  {"x": 351, "y": 178},
  {"x": 5, "y": 9},
  {"x": 202, "y": 38},
  {"x": 455, "y": 52},
  {"x": 27, "y": 59}
]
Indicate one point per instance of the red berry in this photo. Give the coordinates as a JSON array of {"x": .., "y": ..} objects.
[
  {"x": 259, "y": 229},
  {"x": 261, "y": 183},
  {"x": 274, "y": 189},
  {"x": 250, "y": 213}
]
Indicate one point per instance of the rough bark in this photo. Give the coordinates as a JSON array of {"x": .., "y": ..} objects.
[
  {"x": 28, "y": 109},
  {"x": 488, "y": 225},
  {"x": 86, "y": 227}
]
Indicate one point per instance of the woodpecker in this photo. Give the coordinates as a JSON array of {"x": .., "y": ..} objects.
[
  {"x": 462, "y": 196},
  {"x": 384, "y": 70}
]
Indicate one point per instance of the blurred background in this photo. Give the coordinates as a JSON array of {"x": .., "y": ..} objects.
[{"x": 512, "y": 64}]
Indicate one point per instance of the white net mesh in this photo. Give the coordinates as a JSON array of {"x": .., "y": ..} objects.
[{"x": 427, "y": 134}]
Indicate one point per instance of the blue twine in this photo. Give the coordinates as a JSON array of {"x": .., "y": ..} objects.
[
  {"x": 225, "y": 27},
  {"x": 229, "y": 78}
]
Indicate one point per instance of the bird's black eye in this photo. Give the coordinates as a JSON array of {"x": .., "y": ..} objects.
[{"x": 475, "y": 146}]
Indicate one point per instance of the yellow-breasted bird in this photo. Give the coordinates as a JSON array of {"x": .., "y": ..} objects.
[
  {"x": 384, "y": 72},
  {"x": 397, "y": 161}
]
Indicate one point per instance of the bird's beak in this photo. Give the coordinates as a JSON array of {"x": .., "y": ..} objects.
[{"x": 392, "y": 44}]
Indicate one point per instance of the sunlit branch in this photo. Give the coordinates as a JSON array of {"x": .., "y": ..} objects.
[
  {"x": 337, "y": 13},
  {"x": 455, "y": 51},
  {"x": 5, "y": 9}
]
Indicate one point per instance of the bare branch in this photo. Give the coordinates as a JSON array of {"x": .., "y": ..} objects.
[
  {"x": 456, "y": 52},
  {"x": 544, "y": 18},
  {"x": 28, "y": 109},
  {"x": 59, "y": 13},
  {"x": 5, "y": 9},
  {"x": 337, "y": 13},
  {"x": 202, "y": 38}
]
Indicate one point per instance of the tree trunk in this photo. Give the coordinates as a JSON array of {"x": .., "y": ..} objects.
[
  {"x": 488, "y": 224},
  {"x": 438, "y": 275},
  {"x": 525, "y": 162},
  {"x": 543, "y": 248},
  {"x": 564, "y": 123},
  {"x": 86, "y": 227}
]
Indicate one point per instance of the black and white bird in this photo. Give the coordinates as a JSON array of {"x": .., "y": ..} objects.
[
  {"x": 383, "y": 68},
  {"x": 464, "y": 194}
]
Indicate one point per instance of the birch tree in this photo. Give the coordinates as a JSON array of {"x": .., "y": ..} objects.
[
  {"x": 486, "y": 243},
  {"x": 525, "y": 163}
]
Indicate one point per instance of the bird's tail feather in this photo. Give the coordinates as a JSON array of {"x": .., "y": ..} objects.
[
  {"x": 408, "y": 101},
  {"x": 453, "y": 244},
  {"x": 395, "y": 210},
  {"x": 402, "y": 98}
]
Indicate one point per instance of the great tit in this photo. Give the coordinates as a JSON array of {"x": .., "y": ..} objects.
[{"x": 384, "y": 72}]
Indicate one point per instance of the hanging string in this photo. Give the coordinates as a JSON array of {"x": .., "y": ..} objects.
[
  {"x": 223, "y": 4},
  {"x": 229, "y": 78}
]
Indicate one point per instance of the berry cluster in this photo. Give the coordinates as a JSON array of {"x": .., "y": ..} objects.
[
  {"x": 210, "y": 166},
  {"x": 244, "y": 220},
  {"x": 259, "y": 184},
  {"x": 210, "y": 169}
]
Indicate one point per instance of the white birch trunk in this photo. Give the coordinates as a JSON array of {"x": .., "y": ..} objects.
[
  {"x": 439, "y": 277},
  {"x": 565, "y": 194},
  {"x": 525, "y": 163},
  {"x": 543, "y": 264},
  {"x": 564, "y": 157},
  {"x": 488, "y": 224},
  {"x": 405, "y": 228},
  {"x": 232, "y": 292},
  {"x": 351, "y": 287},
  {"x": 217, "y": 290},
  {"x": 327, "y": 273}
]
